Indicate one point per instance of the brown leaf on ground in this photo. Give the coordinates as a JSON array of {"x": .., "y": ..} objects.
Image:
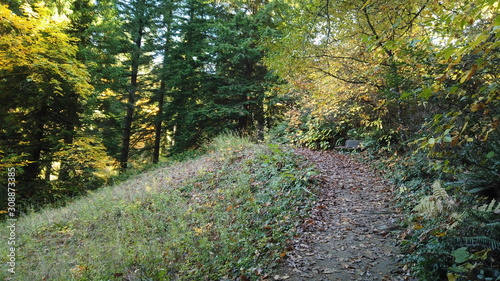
[{"x": 346, "y": 236}]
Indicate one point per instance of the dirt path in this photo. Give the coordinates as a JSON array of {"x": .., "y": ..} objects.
[{"x": 347, "y": 237}]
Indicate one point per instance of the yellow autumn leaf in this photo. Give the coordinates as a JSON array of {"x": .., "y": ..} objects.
[
  {"x": 366, "y": 4},
  {"x": 477, "y": 106},
  {"x": 441, "y": 78},
  {"x": 78, "y": 269},
  {"x": 439, "y": 234},
  {"x": 468, "y": 75},
  {"x": 494, "y": 124},
  {"x": 452, "y": 276},
  {"x": 198, "y": 230}
]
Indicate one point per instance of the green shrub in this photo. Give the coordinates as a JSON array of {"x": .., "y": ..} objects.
[{"x": 444, "y": 222}]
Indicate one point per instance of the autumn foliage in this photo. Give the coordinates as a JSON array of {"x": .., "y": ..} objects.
[{"x": 88, "y": 88}]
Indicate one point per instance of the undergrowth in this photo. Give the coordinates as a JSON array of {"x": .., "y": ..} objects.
[
  {"x": 223, "y": 216},
  {"x": 450, "y": 233}
]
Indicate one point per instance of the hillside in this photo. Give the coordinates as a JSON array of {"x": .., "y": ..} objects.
[{"x": 224, "y": 215}]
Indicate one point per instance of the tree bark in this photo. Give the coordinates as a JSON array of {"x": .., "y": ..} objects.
[
  {"x": 158, "y": 124},
  {"x": 129, "y": 117},
  {"x": 33, "y": 169},
  {"x": 161, "y": 95}
]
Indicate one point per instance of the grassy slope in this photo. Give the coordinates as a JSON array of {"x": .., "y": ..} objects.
[{"x": 224, "y": 215}]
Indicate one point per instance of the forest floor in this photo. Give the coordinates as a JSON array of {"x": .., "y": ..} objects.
[{"x": 348, "y": 235}]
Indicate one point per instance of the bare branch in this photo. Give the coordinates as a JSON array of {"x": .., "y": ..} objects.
[
  {"x": 328, "y": 73},
  {"x": 410, "y": 24}
]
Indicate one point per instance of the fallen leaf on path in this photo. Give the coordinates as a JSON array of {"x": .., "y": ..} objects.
[
  {"x": 330, "y": 271},
  {"x": 345, "y": 234}
]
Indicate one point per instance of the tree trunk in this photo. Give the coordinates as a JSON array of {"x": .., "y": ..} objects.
[
  {"x": 158, "y": 124},
  {"x": 161, "y": 98},
  {"x": 33, "y": 169},
  {"x": 260, "y": 119},
  {"x": 69, "y": 138},
  {"x": 127, "y": 132}
]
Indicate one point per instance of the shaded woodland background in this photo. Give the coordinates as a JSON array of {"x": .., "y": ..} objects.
[{"x": 91, "y": 89}]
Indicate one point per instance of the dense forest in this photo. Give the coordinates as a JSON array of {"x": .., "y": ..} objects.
[{"x": 91, "y": 89}]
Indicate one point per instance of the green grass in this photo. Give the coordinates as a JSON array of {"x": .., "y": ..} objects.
[{"x": 223, "y": 215}]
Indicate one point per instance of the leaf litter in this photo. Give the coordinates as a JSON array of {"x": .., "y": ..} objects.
[{"x": 348, "y": 234}]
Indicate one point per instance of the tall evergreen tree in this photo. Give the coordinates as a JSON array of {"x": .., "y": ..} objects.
[
  {"x": 238, "y": 61},
  {"x": 219, "y": 81},
  {"x": 165, "y": 43},
  {"x": 188, "y": 77},
  {"x": 138, "y": 18}
]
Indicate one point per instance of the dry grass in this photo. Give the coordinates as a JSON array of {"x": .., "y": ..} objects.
[{"x": 222, "y": 215}]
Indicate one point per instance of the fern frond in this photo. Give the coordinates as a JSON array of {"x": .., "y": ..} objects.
[
  {"x": 493, "y": 225},
  {"x": 427, "y": 206},
  {"x": 436, "y": 204},
  {"x": 458, "y": 217},
  {"x": 492, "y": 207},
  {"x": 439, "y": 192},
  {"x": 481, "y": 241}
]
